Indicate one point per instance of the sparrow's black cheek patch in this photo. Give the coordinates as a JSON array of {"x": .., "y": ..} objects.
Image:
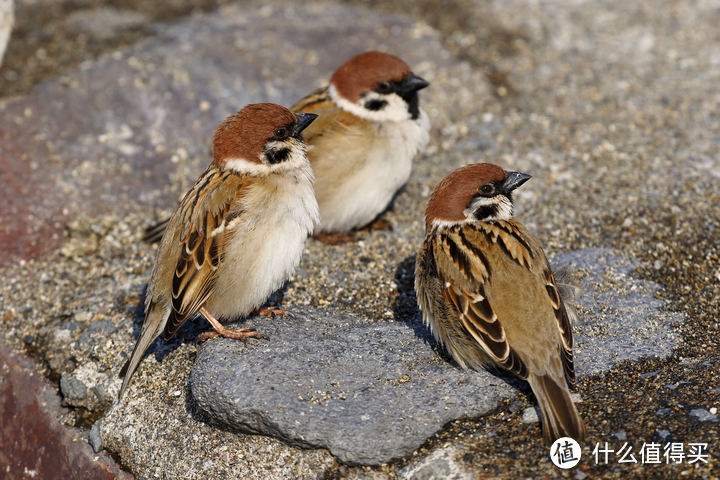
[
  {"x": 375, "y": 105},
  {"x": 486, "y": 212},
  {"x": 277, "y": 156}
]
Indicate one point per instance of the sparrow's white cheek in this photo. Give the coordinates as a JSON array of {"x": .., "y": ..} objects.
[
  {"x": 242, "y": 166},
  {"x": 288, "y": 156},
  {"x": 373, "y": 106},
  {"x": 486, "y": 209},
  {"x": 285, "y": 156}
]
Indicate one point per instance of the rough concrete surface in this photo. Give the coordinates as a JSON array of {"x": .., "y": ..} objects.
[
  {"x": 620, "y": 317},
  {"x": 610, "y": 105}
]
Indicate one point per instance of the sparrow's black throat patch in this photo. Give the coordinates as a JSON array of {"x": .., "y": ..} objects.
[
  {"x": 413, "y": 102},
  {"x": 485, "y": 212},
  {"x": 411, "y": 98},
  {"x": 277, "y": 156}
]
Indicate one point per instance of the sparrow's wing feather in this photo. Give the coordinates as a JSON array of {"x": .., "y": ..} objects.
[
  {"x": 330, "y": 119},
  {"x": 208, "y": 215},
  {"x": 154, "y": 233},
  {"x": 564, "y": 325},
  {"x": 513, "y": 238},
  {"x": 319, "y": 103},
  {"x": 560, "y": 310},
  {"x": 463, "y": 271},
  {"x": 318, "y": 99}
]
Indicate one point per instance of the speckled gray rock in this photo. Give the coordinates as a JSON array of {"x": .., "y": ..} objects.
[
  {"x": 104, "y": 22},
  {"x": 72, "y": 388},
  {"x": 370, "y": 393},
  {"x": 442, "y": 464},
  {"x": 373, "y": 393},
  {"x": 530, "y": 415}
]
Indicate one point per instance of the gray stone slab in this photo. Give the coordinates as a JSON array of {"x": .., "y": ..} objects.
[
  {"x": 370, "y": 393},
  {"x": 374, "y": 392}
]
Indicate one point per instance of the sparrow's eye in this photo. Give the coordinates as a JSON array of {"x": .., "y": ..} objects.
[
  {"x": 383, "y": 87},
  {"x": 487, "y": 189},
  {"x": 282, "y": 133}
]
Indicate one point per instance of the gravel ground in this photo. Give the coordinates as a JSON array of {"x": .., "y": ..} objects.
[{"x": 611, "y": 106}]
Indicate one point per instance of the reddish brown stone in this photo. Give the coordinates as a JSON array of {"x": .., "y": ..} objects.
[{"x": 33, "y": 444}]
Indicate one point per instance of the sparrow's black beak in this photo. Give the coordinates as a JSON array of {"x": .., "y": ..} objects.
[
  {"x": 412, "y": 83},
  {"x": 514, "y": 180},
  {"x": 304, "y": 119}
]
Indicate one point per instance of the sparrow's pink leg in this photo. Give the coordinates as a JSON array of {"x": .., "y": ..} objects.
[{"x": 220, "y": 331}]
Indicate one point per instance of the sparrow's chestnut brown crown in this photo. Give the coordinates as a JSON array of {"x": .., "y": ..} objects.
[
  {"x": 374, "y": 71},
  {"x": 244, "y": 135},
  {"x": 457, "y": 191}
]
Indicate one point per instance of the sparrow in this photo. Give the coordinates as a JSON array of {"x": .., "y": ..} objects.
[
  {"x": 7, "y": 18},
  {"x": 369, "y": 128},
  {"x": 486, "y": 291},
  {"x": 239, "y": 232}
]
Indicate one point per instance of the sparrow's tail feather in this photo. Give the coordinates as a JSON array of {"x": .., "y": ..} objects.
[
  {"x": 559, "y": 415},
  {"x": 152, "y": 326},
  {"x": 569, "y": 289},
  {"x": 154, "y": 233}
]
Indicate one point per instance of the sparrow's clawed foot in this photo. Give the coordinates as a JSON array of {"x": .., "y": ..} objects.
[
  {"x": 239, "y": 334},
  {"x": 221, "y": 331},
  {"x": 336, "y": 238},
  {"x": 271, "y": 312},
  {"x": 379, "y": 225}
]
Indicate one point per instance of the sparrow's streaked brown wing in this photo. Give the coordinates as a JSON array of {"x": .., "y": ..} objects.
[
  {"x": 195, "y": 249},
  {"x": 318, "y": 99},
  {"x": 207, "y": 215},
  {"x": 154, "y": 233},
  {"x": 331, "y": 120},
  {"x": 463, "y": 271},
  {"x": 564, "y": 325},
  {"x": 524, "y": 241},
  {"x": 317, "y": 102}
]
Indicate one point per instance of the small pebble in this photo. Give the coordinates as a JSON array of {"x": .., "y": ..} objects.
[
  {"x": 703, "y": 415},
  {"x": 530, "y": 415},
  {"x": 94, "y": 438}
]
